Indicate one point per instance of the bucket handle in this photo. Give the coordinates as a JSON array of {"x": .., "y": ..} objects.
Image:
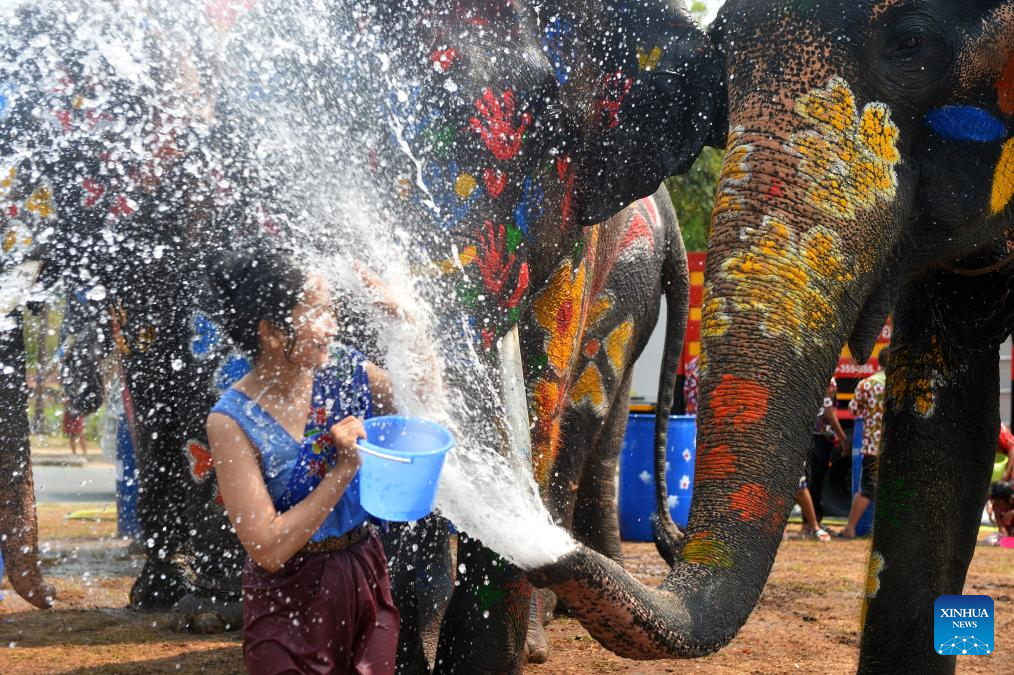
[{"x": 370, "y": 451}]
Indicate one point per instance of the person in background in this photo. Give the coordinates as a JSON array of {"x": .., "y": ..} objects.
[
  {"x": 827, "y": 432},
  {"x": 73, "y": 429},
  {"x": 1005, "y": 446},
  {"x": 868, "y": 403},
  {"x": 316, "y": 591},
  {"x": 690, "y": 386},
  {"x": 1001, "y": 510}
]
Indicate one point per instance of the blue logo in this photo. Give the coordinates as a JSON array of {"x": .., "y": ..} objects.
[{"x": 963, "y": 625}]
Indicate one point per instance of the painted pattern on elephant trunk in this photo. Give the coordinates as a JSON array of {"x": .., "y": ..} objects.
[{"x": 787, "y": 274}]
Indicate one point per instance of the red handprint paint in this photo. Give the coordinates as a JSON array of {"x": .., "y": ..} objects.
[
  {"x": 124, "y": 206},
  {"x": 443, "y": 59},
  {"x": 522, "y": 286},
  {"x": 615, "y": 88},
  {"x": 93, "y": 192},
  {"x": 496, "y": 126},
  {"x": 495, "y": 181},
  {"x": 495, "y": 266},
  {"x": 200, "y": 460}
]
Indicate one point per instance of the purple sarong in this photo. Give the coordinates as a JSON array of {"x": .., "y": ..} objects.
[{"x": 321, "y": 613}]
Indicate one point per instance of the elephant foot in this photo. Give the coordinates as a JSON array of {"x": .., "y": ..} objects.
[
  {"x": 29, "y": 584},
  {"x": 536, "y": 642},
  {"x": 536, "y": 645},
  {"x": 160, "y": 585},
  {"x": 206, "y": 615}
]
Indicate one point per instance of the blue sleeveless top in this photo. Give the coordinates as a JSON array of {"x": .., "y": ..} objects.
[{"x": 291, "y": 467}]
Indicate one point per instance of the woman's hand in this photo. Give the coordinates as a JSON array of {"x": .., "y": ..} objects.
[
  {"x": 345, "y": 434},
  {"x": 383, "y": 297}
]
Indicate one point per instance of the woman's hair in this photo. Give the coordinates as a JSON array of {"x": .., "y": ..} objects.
[{"x": 253, "y": 287}]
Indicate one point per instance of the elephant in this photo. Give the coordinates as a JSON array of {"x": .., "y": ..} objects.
[
  {"x": 498, "y": 131},
  {"x": 587, "y": 324},
  {"x": 494, "y": 133},
  {"x": 97, "y": 158},
  {"x": 867, "y": 171}
]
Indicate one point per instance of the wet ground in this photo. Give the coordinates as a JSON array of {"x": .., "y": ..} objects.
[{"x": 807, "y": 620}]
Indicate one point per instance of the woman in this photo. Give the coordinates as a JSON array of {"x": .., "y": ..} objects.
[{"x": 316, "y": 592}]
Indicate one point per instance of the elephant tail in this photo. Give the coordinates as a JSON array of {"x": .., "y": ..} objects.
[{"x": 676, "y": 288}]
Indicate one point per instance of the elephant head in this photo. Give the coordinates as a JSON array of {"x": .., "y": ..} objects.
[{"x": 868, "y": 146}]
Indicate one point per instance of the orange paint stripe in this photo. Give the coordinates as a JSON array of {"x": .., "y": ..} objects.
[
  {"x": 752, "y": 501},
  {"x": 739, "y": 401},
  {"x": 715, "y": 463}
]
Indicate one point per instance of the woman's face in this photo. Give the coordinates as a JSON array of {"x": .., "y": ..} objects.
[{"x": 313, "y": 324}]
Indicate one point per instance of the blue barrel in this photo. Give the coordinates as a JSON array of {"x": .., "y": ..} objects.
[
  {"x": 865, "y": 523},
  {"x": 1, "y": 571},
  {"x": 637, "y": 473},
  {"x": 127, "y": 524}
]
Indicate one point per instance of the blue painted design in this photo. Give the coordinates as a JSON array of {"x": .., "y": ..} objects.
[
  {"x": 529, "y": 209},
  {"x": 411, "y": 114},
  {"x": 439, "y": 181},
  {"x": 231, "y": 371},
  {"x": 6, "y": 99},
  {"x": 206, "y": 336},
  {"x": 558, "y": 45},
  {"x": 966, "y": 123}
]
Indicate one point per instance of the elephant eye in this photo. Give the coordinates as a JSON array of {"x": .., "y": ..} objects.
[{"x": 910, "y": 42}]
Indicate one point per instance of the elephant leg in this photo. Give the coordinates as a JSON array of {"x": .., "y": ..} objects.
[
  {"x": 19, "y": 530},
  {"x": 596, "y": 522},
  {"x": 940, "y": 433},
  {"x": 485, "y": 625},
  {"x": 158, "y": 398},
  {"x": 419, "y": 561}
]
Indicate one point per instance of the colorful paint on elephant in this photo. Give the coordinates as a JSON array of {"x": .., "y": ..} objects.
[
  {"x": 849, "y": 159},
  {"x": 896, "y": 503},
  {"x": 561, "y": 309},
  {"x": 588, "y": 333},
  {"x": 802, "y": 267},
  {"x": 874, "y": 567},
  {"x": 915, "y": 378},
  {"x": 972, "y": 124},
  {"x": 702, "y": 548}
]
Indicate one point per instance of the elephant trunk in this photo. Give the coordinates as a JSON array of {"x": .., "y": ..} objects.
[
  {"x": 779, "y": 302},
  {"x": 19, "y": 533}
]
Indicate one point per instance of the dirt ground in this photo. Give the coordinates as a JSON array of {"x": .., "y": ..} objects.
[{"x": 807, "y": 620}]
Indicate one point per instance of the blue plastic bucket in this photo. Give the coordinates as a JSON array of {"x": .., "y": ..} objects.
[
  {"x": 865, "y": 523},
  {"x": 401, "y": 462},
  {"x": 637, "y": 473}
]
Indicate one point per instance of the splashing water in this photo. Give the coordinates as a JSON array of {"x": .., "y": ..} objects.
[{"x": 279, "y": 99}]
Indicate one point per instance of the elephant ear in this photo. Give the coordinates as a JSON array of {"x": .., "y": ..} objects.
[{"x": 641, "y": 86}]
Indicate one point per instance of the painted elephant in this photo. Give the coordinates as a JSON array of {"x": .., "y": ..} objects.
[
  {"x": 586, "y": 326},
  {"x": 868, "y": 170},
  {"x": 493, "y": 133},
  {"x": 487, "y": 126},
  {"x": 101, "y": 192}
]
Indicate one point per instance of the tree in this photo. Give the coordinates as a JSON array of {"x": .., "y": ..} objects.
[
  {"x": 699, "y": 10},
  {"x": 693, "y": 195}
]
